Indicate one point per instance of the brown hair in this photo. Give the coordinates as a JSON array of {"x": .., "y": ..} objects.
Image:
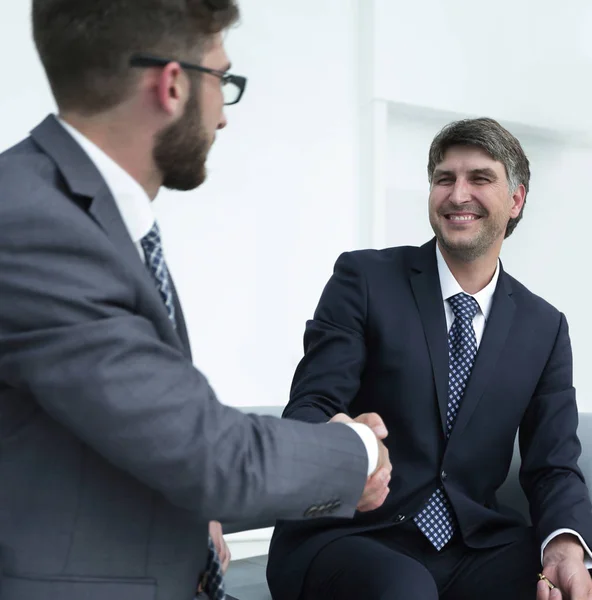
[
  {"x": 85, "y": 45},
  {"x": 498, "y": 142}
]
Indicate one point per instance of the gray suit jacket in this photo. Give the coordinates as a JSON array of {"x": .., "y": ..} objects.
[{"x": 114, "y": 452}]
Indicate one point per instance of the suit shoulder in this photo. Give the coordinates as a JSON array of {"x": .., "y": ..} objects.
[
  {"x": 29, "y": 179},
  {"x": 25, "y": 152},
  {"x": 370, "y": 258},
  {"x": 24, "y": 164},
  {"x": 35, "y": 198},
  {"x": 535, "y": 304}
]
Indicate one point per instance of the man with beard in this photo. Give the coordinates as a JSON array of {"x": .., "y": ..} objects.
[
  {"x": 114, "y": 452},
  {"x": 457, "y": 356}
]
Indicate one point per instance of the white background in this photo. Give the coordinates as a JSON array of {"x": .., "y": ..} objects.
[
  {"x": 327, "y": 152},
  {"x": 251, "y": 249},
  {"x": 527, "y": 64}
]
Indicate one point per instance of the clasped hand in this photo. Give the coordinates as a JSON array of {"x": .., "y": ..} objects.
[{"x": 376, "y": 489}]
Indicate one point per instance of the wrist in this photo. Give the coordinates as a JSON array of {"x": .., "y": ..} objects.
[{"x": 564, "y": 546}]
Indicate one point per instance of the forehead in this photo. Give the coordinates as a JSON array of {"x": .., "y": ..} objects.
[
  {"x": 214, "y": 55},
  {"x": 468, "y": 158}
]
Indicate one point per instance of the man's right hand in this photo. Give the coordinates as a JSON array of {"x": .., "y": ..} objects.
[{"x": 376, "y": 489}]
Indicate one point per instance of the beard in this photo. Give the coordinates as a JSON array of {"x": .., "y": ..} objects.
[
  {"x": 469, "y": 249},
  {"x": 181, "y": 149}
]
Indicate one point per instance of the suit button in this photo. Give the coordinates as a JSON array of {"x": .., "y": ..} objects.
[
  {"x": 311, "y": 512},
  {"x": 400, "y": 518},
  {"x": 444, "y": 475}
]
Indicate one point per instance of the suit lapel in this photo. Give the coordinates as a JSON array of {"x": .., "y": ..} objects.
[
  {"x": 425, "y": 284},
  {"x": 494, "y": 337},
  {"x": 84, "y": 180},
  {"x": 179, "y": 317}
]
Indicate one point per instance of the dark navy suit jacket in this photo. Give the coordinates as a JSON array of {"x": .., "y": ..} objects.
[{"x": 378, "y": 343}]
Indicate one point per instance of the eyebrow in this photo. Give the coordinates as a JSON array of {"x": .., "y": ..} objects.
[
  {"x": 440, "y": 172},
  {"x": 486, "y": 171}
]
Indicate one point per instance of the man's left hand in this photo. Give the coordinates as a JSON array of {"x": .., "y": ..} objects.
[
  {"x": 563, "y": 565},
  {"x": 215, "y": 531},
  {"x": 220, "y": 544}
]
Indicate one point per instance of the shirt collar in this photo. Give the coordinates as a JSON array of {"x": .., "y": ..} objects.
[
  {"x": 130, "y": 197},
  {"x": 450, "y": 286}
]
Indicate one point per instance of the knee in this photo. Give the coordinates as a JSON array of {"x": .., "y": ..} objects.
[{"x": 410, "y": 588}]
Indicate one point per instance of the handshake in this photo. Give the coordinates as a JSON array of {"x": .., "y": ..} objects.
[{"x": 376, "y": 489}]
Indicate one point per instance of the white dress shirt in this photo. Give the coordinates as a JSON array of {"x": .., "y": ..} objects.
[
  {"x": 130, "y": 197},
  {"x": 484, "y": 298},
  {"x": 450, "y": 287}
]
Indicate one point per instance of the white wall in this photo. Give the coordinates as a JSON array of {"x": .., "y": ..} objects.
[
  {"x": 519, "y": 60},
  {"x": 529, "y": 66},
  {"x": 251, "y": 249},
  {"x": 25, "y": 97}
]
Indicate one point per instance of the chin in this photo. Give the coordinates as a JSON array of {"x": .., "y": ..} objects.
[
  {"x": 462, "y": 240},
  {"x": 185, "y": 180},
  {"x": 465, "y": 250}
]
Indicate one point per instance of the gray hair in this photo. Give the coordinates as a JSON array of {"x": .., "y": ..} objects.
[{"x": 498, "y": 142}]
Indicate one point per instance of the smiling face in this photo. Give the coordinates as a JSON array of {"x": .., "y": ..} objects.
[{"x": 470, "y": 203}]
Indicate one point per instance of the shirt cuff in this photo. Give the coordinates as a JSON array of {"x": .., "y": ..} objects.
[
  {"x": 367, "y": 436},
  {"x": 587, "y": 553}
]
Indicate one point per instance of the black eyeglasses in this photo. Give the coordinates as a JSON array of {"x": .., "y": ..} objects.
[{"x": 233, "y": 86}]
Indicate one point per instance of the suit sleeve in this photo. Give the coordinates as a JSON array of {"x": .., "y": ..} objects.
[
  {"x": 328, "y": 376},
  {"x": 550, "y": 448},
  {"x": 72, "y": 338}
]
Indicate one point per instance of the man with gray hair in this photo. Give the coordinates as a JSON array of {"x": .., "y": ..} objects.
[{"x": 457, "y": 356}]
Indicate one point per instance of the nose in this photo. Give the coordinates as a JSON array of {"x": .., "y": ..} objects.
[
  {"x": 461, "y": 192},
  {"x": 223, "y": 121}
]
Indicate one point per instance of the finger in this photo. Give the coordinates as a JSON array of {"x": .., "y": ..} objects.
[
  {"x": 379, "y": 480},
  {"x": 226, "y": 560},
  {"x": 375, "y": 492},
  {"x": 556, "y": 595},
  {"x": 384, "y": 459},
  {"x": 542, "y": 591},
  {"x": 376, "y": 502},
  {"x": 375, "y": 422},
  {"x": 215, "y": 528},
  {"x": 373, "y": 500}
]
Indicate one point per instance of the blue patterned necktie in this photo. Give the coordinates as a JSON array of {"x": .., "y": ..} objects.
[
  {"x": 152, "y": 246},
  {"x": 436, "y": 520},
  {"x": 214, "y": 582}
]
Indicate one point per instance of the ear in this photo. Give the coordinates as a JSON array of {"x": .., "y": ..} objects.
[
  {"x": 518, "y": 198},
  {"x": 172, "y": 89}
]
